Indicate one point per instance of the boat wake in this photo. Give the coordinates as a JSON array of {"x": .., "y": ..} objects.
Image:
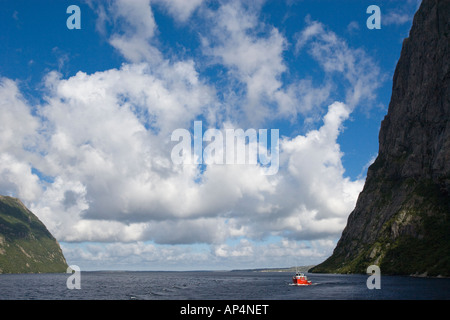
[{"x": 303, "y": 285}]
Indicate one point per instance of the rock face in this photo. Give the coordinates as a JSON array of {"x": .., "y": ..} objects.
[
  {"x": 401, "y": 221},
  {"x": 26, "y": 246}
]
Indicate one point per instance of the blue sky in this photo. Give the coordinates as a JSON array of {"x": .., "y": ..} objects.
[{"x": 87, "y": 116}]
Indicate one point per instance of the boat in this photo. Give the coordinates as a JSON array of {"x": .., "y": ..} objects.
[{"x": 300, "y": 279}]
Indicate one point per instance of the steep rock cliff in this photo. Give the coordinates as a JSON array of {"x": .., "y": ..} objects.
[{"x": 401, "y": 221}]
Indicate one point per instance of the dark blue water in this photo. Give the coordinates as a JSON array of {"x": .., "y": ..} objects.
[{"x": 237, "y": 285}]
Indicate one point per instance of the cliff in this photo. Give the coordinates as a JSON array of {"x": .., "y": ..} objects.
[
  {"x": 26, "y": 246},
  {"x": 401, "y": 221}
]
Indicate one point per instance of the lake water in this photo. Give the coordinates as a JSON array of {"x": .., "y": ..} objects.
[{"x": 236, "y": 285}]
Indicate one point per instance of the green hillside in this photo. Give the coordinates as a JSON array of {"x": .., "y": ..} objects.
[{"x": 26, "y": 246}]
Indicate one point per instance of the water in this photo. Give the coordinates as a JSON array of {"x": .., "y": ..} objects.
[{"x": 238, "y": 285}]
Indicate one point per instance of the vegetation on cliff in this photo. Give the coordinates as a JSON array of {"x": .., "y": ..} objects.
[
  {"x": 401, "y": 221},
  {"x": 26, "y": 246}
]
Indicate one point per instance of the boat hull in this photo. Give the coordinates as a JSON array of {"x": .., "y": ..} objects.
[
  {"x": 301, "y": 283},
  {"x": 300, "y": 280}
]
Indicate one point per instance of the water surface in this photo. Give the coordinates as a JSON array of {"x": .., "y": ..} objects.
[{"x": 236, "y": 285}]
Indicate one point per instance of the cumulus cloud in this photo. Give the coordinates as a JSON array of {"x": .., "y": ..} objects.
[
  {"x": 18, "y": 139},
  {"x": 15, "y": 112},
  {"x": 113, "y": 179},
  {"x": 134, "y": 28},
  {"x": 255, "y": 61},
  {"x": 110, "y": 132},
  {"x": 93, "y": 161},
  {"x": 242, "y": 254}
]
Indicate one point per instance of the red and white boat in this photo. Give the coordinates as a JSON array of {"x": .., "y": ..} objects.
[{"x": 300, "y": 279}]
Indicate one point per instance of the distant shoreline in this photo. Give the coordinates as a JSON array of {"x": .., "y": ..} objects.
[{"x": 290, "y": 269}]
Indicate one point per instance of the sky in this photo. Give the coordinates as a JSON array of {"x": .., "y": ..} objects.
[{"x": 87, "y": 117}]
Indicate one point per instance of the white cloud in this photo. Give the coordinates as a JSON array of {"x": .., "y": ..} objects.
[
  {"x": 18, "y": 140},
  {"x": 136, "y": 256},
  {"x": 113, "y": 179},
  {"x": 15, "y": 137},
  {"x": 313, "y": 196},
  {"x": 181, "y": 10},
  {"x": 136, "y": 27},
  {"x": 110, "y": 131},
  {"x": 401, "y": 14},
  {"x": 17, "y": 179},
  {"x": 255, "y": 61},
  {"x": 353, "y": 26},
  {"x": 253, "y": 53},
  {"x": 242, "y": 254},
  {"x": 395, "y": 17},
  {"x": 103, "y": 141},
  {"x": 360, "y": 72},
  {"x": 302, "y": 98}
]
